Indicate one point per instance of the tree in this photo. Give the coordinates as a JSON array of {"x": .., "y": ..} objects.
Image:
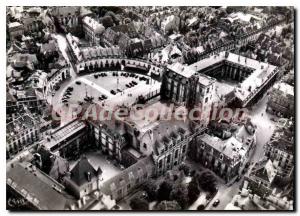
[
  {"x": 107, "y": 21},
  {"x": 139, "y": 204},
  {"x": 164, "y": 191},
  {"x": 151, "y": 188},
  {"x": 207, "y": 181},
  {"x": 167, "y": 206},
  {"x": 193, "y": 190},
  {"x": 180, "y": 194},
  {"x": 113, "y": 16},
  {"x": 200, "y": 207},
  {"x": 186, "y": 169}
]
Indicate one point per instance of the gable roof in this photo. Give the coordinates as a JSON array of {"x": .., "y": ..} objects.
[{"x": 79, "y": 173}]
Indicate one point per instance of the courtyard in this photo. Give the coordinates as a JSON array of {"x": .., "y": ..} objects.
[{"x": 97, "y": 159}]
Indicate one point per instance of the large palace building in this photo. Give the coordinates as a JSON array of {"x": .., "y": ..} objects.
[
  {"x": 253, "y": 78},
  {"x": 183, "y": 86}
]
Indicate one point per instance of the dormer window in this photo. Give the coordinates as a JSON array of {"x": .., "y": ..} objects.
[{"x": 221, "y": 157}]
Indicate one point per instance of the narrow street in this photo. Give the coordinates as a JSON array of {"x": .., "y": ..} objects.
[
  {"x": 265, "y": 128},
  {"x": 62, "y": 45}
]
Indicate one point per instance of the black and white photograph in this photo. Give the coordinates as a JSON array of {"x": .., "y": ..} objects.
[{"x": 150, "y": 108}]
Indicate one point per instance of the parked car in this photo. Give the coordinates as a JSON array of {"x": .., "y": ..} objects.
[
  {"x": 78, "y": 82},
  {"x": 113, "y": 92},
  {"x": 57, "y": 88},
  {"x": 216, "y": 203}
]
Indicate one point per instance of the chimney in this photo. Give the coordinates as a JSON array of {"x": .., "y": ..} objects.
[
  {"x": 79, "y": 204},
  {"x": 88, "y": 174},
  {"x": 83, "y": 200}
]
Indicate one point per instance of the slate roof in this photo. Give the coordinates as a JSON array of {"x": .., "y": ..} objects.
[
  {"x": 265, "y": 170},
  {"x": 79, "y": 174},
  {"x": 39, "y": 187},
  {"x": 144, "y": 165}
]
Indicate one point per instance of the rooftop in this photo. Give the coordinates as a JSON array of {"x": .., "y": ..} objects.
[
  {"x": 65, "y": 131},
  {"x": 241, "y": 16},
  {"x": 98, "y": 51},
  {"x": 39, "y": 187},
  {"x": 83, "y": 172},
  {"x": 265, "y": 170},
  {"x": 93, "y": 24},
  {"x": 232, "y": 148},
  {"x": 51, "y": 46},
  {"x": 182, "y": 70},
  {"x": 261, "y": 71},
  {"x": 73, "y": 42},
  {"x": 137, "y": 169},
  {"x": 285, "y": 88},
  {"x": 14, "y": 24},
  {"x": 19, "y": 125}
]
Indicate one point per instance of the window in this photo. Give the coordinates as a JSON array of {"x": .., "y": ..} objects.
[
  {"x": 128, "y": 186},
  {"x": 169, "y": 159},
  {"x": 184, "y": 149},
  {"x": 160, "y": 164},
  {"x": 207, "y": 90},
  {"x": 176, "y": 153},
  {"x": 206, "y": 99},
  {"x": 221, "y": 157},
  {"x": 145, "y": 146}
]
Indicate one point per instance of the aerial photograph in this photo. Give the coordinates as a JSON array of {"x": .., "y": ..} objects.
[{"x": 150, "y": 108}]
